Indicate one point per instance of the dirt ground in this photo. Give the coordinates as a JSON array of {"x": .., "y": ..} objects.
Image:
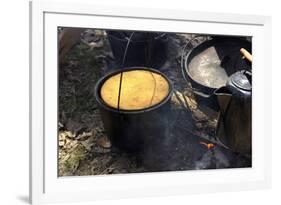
[{"x": 84, "y": 148}]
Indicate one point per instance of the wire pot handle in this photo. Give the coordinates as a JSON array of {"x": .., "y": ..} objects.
[{"x": 121, "y": 74}]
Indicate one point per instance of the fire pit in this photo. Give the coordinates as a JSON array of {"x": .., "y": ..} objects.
[{"x": 171, "y": 134}]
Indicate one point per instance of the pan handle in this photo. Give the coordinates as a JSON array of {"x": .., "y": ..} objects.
[
  {"x": 246, "y": 54},
  {"x": 204, "y": 95}
]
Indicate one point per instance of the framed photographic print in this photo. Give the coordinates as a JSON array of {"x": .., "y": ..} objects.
[{"x": 133, "y": 102}]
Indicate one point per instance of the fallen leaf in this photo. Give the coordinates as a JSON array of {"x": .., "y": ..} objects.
[
  {"x": 61, "y": 143},
  {"x": 84, "y": 136},
  {"x": 104, "y": 142}
]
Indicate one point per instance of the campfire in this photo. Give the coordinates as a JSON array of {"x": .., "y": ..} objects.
[{"x": 128, "y": 130}]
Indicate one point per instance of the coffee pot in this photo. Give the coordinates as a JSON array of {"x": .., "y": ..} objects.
[{"x": 234, "y": 128}]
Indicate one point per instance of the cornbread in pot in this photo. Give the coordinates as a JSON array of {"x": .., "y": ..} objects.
[{"x": 140, "y": 89}]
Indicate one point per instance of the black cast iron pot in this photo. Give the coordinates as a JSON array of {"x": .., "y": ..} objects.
[
  {"x": 134, "y": 130},
  {"x": 147, "y": 49}
]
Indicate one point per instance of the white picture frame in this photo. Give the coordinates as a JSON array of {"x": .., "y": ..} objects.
[{"x": 46, "y": 186}]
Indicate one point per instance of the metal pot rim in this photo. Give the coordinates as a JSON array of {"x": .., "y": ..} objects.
[
  {"x": 160, "y": 35},
  {"x": 105, "y": 106}
]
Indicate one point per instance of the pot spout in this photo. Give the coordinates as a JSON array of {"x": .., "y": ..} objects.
[{"x": 223, "y": 97}]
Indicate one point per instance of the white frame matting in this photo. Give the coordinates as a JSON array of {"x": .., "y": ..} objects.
[{"x": 46, "y": 186}]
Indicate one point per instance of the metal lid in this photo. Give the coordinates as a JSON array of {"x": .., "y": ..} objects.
[{"x": 242, "y": 80}]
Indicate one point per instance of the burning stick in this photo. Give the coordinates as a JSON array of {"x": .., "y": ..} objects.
[{"x": 207, "y": 145}]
